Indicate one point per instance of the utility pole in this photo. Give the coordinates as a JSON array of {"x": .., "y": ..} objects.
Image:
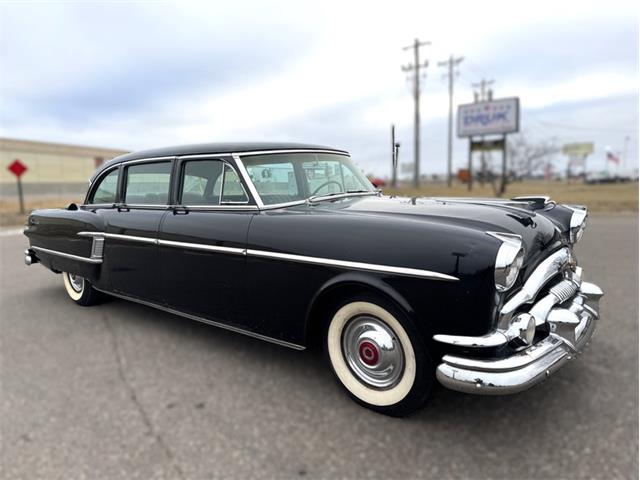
[
  {"x": 484, "y": 94},
  {"x": 394, "y": 157},
  {"x": 415, "y": 68},
  {"x": 451, "y": 64}
]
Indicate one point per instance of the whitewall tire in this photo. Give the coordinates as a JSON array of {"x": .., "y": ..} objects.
[
  {"x": 79, "y": 289},
  {"x": 377, "y": 356}
]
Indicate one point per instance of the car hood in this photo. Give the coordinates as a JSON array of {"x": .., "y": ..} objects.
[{"x": 486, "y": 215}]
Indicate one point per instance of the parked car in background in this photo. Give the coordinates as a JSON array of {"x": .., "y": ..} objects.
[
  {"x": 292, "y": 244},
  {"x": 378, "y": 182}
]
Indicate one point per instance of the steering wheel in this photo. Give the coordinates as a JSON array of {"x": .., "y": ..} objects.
[{"x": 325, "y": 184}]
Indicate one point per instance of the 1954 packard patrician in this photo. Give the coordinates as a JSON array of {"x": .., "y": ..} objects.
[{"x": 292, "y": 244}]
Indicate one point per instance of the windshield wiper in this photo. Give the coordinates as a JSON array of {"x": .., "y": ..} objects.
[{"x": 331, "y": 196}]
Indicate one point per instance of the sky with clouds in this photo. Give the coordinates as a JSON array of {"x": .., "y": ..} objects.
[{"x": 144, "y": 74}]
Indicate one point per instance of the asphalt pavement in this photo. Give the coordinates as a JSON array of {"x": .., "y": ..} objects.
[{"x": 122, "y": 390}]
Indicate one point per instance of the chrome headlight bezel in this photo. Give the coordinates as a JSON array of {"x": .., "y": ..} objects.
[
  {"x": 509, "y": 260},
  {"x": 578, "y": 223}
]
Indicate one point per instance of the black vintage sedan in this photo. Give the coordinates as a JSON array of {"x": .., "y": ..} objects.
[{"x": 292, "y": 244}]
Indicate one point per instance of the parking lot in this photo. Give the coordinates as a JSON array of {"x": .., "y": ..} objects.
[{"x": 121, "y": 390}]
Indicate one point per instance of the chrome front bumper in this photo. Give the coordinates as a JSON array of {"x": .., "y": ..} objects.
[{"x": 571, "y": 313}]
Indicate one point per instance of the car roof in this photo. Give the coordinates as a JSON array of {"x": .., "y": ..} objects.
[{"x": 204, "y": 148}]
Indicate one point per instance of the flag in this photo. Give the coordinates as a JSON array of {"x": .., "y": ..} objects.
[{"x": 613, "y": 158}]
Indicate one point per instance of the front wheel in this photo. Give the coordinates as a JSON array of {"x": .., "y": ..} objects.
[
  {"x": 377, "y": 355},
  {"x": 79, "y": 289}
]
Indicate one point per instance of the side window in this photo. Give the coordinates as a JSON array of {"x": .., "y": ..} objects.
[
  {"x": 105, "y": 192},
  {"x": 148, "y": 184},
  {"x": 198, "y": 180},
  {"x": 229, "y": 188}
]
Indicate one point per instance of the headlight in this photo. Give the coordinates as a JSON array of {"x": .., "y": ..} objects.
[
  {"x": 578, "y": 223},
  {"x": 508, "y": 261}
]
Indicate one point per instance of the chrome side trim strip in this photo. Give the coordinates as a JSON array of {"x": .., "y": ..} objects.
[
  {"x": 370, "y": 267},
  {"x": 67, "y": 255},
  {"x": 207, "y": 321},
  {"x": 131, "y": 238},
  {"x": 201, "y": 246},
  {"x": 410, "y": 272}
]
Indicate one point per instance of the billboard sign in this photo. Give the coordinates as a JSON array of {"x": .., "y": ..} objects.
[
  {"x": 578, "y": 149},
  {"x": 495, "y": 117}
]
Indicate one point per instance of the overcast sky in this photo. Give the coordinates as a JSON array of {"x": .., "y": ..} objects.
[{"x": 137, "y": 75}]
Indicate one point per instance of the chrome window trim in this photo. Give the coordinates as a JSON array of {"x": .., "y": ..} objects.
[
  {"x": 146, "y": 206},
  {"x": 247, "y": 180},
  {"x": 67, "y": 255},
  {"x": 207, "y": 321},
  {"x": 292, "y": 150},
  {"x": 232, "y": 207},
  {"x": 153, "y": 206},
  {"x": 240, "y": 169},
  {"x": 98, "y": 205},
  {"x": 209, "y": 156},
  {"x": 254, "y": 192},
  {"x": 276, "y": 206},
  {"x": 102, "y": 174},
  {"x": 149, "y": 159},
  {"x": 369, "y": 267}
]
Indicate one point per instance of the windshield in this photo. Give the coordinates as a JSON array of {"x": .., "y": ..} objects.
[{"x": 290, "y": 177}]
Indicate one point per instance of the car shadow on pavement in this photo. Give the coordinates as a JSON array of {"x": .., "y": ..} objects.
[{"x": 474, "y": 411}]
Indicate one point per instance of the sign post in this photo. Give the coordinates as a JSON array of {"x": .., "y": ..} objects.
[
  {"x": 493, "y": 117},
  {"x": 18, "y": 168}
]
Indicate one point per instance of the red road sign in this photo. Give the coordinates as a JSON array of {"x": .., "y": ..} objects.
[{"x": 17, "y": 168}]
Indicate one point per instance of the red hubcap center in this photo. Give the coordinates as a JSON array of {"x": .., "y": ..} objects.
[{"x": 369, "y": 353}]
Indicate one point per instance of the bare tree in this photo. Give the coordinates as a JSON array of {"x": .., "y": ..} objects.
[{"x": 530, "y": 156}]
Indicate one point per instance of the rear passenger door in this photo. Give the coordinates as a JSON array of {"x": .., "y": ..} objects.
[
  {"x": 132, "y": 226},
  {"x": 202, "y": 241}
]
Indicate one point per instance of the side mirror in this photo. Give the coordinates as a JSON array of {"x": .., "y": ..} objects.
[{"x": 72, "y": 206}]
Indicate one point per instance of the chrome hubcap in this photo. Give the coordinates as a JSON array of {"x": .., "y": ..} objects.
[
  {"x": 373, "y": 352},
  {"x": 76, "y": 281}
]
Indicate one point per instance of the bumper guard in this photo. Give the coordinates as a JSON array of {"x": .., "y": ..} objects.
[{"x": 572, "y": 322}]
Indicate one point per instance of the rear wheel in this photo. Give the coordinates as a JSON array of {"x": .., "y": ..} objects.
[
  {"x": 79, "y": 289},
  {"x": 378, "y": 357}
]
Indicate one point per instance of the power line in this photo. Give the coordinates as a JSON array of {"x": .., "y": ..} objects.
[
  {"x": 583, "y": 128},
  {"x": 451, "y": 64},
  {"x": 415, "y": 67}
]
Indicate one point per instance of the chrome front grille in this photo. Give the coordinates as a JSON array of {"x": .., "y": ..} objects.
[
  {"x": 564, "y": 290},
  {"x": 544, "y": 273}
]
